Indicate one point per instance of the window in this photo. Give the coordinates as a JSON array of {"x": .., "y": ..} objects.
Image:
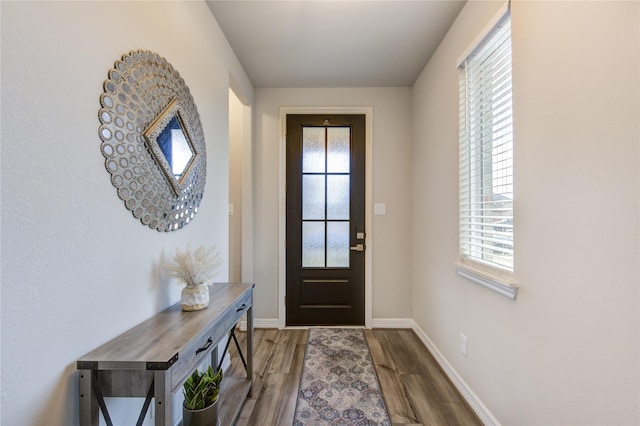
[{"x": 486, "y": 152}]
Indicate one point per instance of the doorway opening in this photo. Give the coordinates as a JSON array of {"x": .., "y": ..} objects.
[{"x": 240, "y": 190}]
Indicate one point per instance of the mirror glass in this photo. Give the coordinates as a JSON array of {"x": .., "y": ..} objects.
[
  {"x": 175, "y": 148},
  {"x": 170, "y": 143}
]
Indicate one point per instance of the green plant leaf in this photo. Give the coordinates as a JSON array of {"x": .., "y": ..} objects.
[{"x": 202, "y": 389}]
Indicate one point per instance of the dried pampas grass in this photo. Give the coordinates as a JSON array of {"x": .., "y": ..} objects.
[{"x": 197, "y": 267}]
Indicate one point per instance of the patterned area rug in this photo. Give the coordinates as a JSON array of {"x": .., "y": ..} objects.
[{"x": 339, "y": 385}]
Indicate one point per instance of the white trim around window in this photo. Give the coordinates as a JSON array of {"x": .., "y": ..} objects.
[
  {"x": 486, "y": 159},
  {"x": 505, "y": 285}
]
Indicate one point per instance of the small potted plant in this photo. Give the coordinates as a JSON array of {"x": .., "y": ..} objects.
[
  {"x": 201, "y": 391},
  {"x": 195, "y": 269}
]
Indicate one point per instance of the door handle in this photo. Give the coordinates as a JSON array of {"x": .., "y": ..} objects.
[{"x": 358, "y": 247}]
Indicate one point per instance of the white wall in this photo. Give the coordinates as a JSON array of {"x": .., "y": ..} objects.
[
  {"x": 391, "y": 185},
  {"x": 77, "y": 268},
  {"x": 567, "y": 350}
]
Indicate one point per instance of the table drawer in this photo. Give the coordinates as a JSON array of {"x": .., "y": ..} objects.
[
  {"x": 195, "y": 352},
  {"x": 239, "y": 308}
]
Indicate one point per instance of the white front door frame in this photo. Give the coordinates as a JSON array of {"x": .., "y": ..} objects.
[{"x": 282, "y": 204}]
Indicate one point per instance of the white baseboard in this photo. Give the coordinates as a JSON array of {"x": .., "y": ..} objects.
[
  {"x": 392, "y": 323},
  {"x": 265, "y": 323},
  {"x": 467, "y": 393},
  {"x": 260, "y": 323}
]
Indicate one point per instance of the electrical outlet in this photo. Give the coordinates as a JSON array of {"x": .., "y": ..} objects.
[{"x": 463, "y": 344}]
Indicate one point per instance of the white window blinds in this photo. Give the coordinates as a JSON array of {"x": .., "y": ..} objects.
[{"x": 486, "y": 151}]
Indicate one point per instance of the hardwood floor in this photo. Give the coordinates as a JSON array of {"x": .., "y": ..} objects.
[{"x": 415, "y": 389}]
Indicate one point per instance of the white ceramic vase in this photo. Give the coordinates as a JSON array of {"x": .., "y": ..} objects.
[{"x": 194, "y": 298}]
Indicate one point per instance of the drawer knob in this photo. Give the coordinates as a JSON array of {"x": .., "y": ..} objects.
[
  {"x": 241, "y": 308},
  {"x": 205, "y": 347}
]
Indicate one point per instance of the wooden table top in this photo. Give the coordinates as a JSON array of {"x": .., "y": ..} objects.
[{"x": 160, "y": 338}]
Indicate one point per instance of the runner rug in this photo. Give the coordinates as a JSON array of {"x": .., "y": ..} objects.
[{"x": 339, "y": 385}]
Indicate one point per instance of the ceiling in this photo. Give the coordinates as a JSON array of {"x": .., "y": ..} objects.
[{"x": 341, "y": 43}]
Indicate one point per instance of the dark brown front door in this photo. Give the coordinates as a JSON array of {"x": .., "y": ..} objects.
[{"x": 325, "y": 219}]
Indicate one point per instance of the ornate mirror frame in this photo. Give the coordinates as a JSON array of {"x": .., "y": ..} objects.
[
  {"x": 143, "y": 96},
  {"x": 160, "y": 139}
]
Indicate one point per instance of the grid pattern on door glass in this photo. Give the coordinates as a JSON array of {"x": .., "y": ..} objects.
[{"x": 326, "y": 168}]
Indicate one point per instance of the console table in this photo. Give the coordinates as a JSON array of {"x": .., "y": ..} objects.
[{"x": 153, "y": 359}]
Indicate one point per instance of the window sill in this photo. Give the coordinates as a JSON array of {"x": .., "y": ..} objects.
[{"x": 503, "y": 285}]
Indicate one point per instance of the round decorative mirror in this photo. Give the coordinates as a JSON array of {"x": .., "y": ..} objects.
[{"x": 152, "y": 141}]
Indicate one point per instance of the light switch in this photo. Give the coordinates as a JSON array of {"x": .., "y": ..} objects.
[
  {"x": 380, "y": 209},
  {"x": 230, "y": 209}
]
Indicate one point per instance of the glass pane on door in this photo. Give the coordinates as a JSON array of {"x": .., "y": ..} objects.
[
  {"x": 313, "y": 248},
  {"x": 313, "y": 197},
  {"x": 338, "y": 149},
  {"x": 313, "y": 150},
  {"x": 338, "y": 197},
  {"x": 338, "y": 244},
  {"x": 326, "y": 180}
]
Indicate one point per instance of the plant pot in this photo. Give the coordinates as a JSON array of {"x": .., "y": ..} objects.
[
  {"x": 207, "y": 416},
  {"x": 194, "y": 298}
]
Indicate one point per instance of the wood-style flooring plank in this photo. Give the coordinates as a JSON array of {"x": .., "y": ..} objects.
[
  {"x": 429, "y": 367},
  {"x": 292, "y": 384},
  {"x": 267, "y": 408},
  {"x": 395, "y": 397},
  {"x": 247, "y": 410},
  {"x": 459, "y": 414},
  {"x": 283, "y": 355},
  {"x": 403, "y": 358},
  {"x": 278, "y": 365},
  {"x": 423, "y": 400}
]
